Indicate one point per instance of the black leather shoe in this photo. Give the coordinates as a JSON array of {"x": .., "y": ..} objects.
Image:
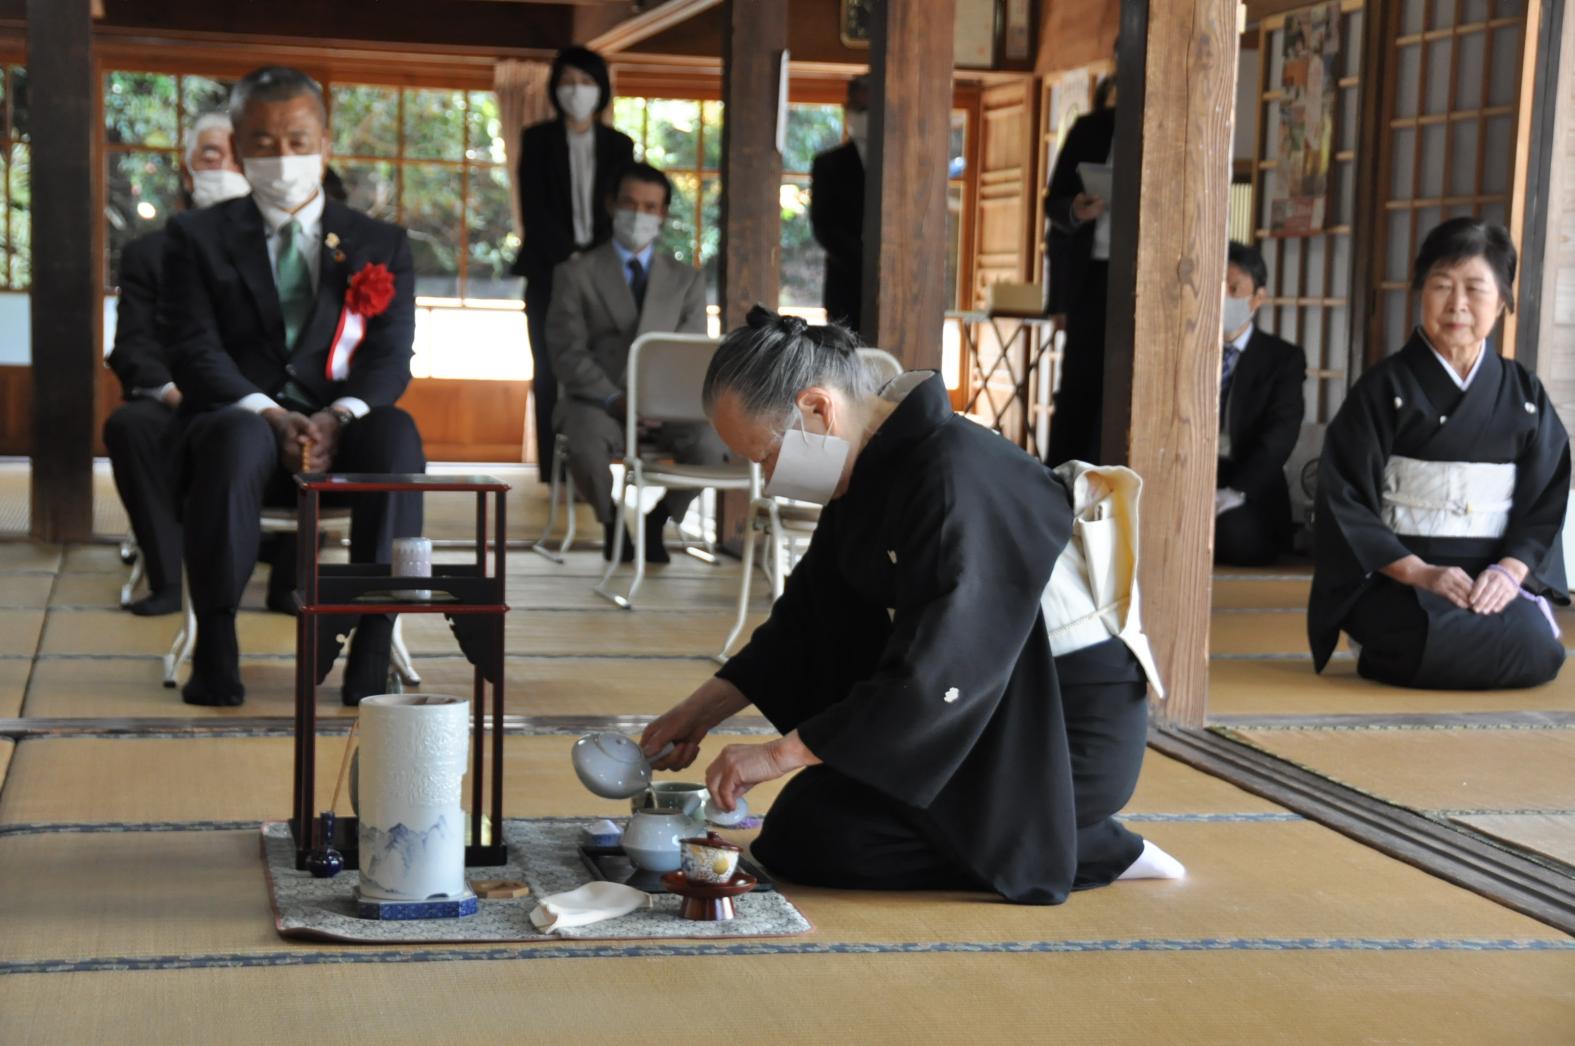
[
  {"x": 215, "y": 664},
  {"x": 655, "y": 551},
  {"x": 366, "y": 671},
  {"x": 157, "y": 604}
]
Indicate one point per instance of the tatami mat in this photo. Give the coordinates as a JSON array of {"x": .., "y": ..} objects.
[
  {"x": 13, "y": 685},
  {"x": 1482, "y": 769},
  {"x": 1238, "y": 594},
  {"x": 1552, "y": 835},
  {"x": 1291, "y": 687},
  {"x": 1260, "y": 633},
  {"x": 19, "y": 630},
  {"x": 1225, "y": 998},
  {"x": 25, "y": 591},
  {"x": 23, "y": 555},
  {"x": 585, "y": 632}
]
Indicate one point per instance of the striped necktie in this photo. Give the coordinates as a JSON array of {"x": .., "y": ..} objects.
[
  {"x": 294, "y": 281},
  {"x": 1228, "y": 370}
]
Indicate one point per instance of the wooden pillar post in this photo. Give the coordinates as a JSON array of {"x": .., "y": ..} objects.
[
  {"x": 751, "y": 264},
  {"x": 66, "y": 298},
  {"x": 1177, "y": 80},
  {"x": 905, "y": 292}
]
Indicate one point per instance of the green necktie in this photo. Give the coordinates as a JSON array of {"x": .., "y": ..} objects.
[{"x": 294, "y": 281}]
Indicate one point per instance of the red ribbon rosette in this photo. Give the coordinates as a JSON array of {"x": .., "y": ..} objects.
[{"x": 371, "y": 290}]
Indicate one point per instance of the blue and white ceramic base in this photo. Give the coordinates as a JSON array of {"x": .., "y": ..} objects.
[{"x": 432, "y": 908}]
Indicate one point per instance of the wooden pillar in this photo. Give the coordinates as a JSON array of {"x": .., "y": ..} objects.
[
  {"x": 66, "y": 299},
  {"x": 905, "y": 292},
  {"x": 1167, "y": 273},
  {"x": 751, "y": 265}
]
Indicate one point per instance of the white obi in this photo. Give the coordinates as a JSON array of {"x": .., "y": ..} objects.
[
  {"x": 1093, "y": 590},
  {"x": 1447, "y": 499}
]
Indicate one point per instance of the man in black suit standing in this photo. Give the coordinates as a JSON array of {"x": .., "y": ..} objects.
[
  {"x": 142, "y": 432},
  {"x": 836, "y": 211},
  {"x": 1260, "y": 418},
  {"x": 289, "y": 319}
]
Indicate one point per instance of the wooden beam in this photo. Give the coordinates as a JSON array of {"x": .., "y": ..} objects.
[
  {"x": 1167, "y": 277},
  {"x": 905, "y": 292},
  {"x": 752, "y": 51},
  {"x": 66, "y": 297},
  {"x": 647, "y": 24}
]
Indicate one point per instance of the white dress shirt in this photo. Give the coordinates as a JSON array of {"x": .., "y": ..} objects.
[
  {"x": 582, "y": 183},
  {"x": 625, "y": 256}
]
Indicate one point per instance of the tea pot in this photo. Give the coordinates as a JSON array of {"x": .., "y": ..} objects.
[
  {"x": 612, "y": 765},
  {"x": 651, "y": 842}
]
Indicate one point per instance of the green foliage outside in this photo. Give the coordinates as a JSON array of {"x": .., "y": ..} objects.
[{"x": 16, "y": 235}]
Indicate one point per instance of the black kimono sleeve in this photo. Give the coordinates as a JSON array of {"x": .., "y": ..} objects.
[
  {"x": 970, "y": 572},
  {"x": 1542, "y": 487},
  {"x": 1352, "y": 536}
]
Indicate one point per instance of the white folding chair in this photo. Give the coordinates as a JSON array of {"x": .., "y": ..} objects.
[
  {"x": 787, "y": 523},
  {"x": 335, "y": 522},
  {"x": 130, "y": 555},
  {"x": 664, "y": 379},
  {"x": 562, "y": 481}
]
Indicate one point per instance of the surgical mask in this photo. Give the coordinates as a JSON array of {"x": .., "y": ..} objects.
[
  {"x": 1238, "y": 311},
  {"x": 217, "y": 185},
  {"x": 809, "y": 465},
  {"x": 859, "y": 128},
  {"x": 635, "y": 230},
  {"x": 579, "y": 100},
  {"x": 284, "y": 182}
]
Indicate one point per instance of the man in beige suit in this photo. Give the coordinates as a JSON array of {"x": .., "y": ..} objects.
[{"x": 603, "y": 299}]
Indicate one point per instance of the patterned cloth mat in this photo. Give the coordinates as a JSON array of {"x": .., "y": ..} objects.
[{"x": 544, "y": 854}]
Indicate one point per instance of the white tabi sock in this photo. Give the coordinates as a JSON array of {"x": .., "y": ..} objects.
[{"x": 1154, "y": 863}]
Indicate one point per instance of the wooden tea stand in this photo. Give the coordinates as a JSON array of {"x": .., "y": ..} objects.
[{"x": 330, "y": 595}]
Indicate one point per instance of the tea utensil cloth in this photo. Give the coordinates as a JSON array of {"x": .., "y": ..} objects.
[{"x": 588, "y": 904}]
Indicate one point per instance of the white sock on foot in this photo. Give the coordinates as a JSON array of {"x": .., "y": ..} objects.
[{"x": 1154, "y": 863}]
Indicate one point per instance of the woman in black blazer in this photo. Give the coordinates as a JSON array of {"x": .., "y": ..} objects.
[{"x": 567, "y": 169}]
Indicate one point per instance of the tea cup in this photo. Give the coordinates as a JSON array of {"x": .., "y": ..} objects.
[
  {"x": 684, "y": 796},
  {"x": 710, "y": 859}
]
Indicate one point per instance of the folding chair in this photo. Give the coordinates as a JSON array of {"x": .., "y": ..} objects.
[
  {"x": 562, "y": 480},
  {"x": 280, "y": 521},
  {"x": 130, "y": 555},
  {"x": 664, "y": 379}
]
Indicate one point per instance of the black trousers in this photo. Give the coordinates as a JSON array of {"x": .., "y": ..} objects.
[
  {"x": 1245, "y": 537},
  {"x": 1075, "y": 427},
  {"x": 141, "y": 437},
  {"x": 231, "y": 469},
  {"x": 544, "y": 383},
  {"x": 1416, "y": 639},
  {"x": 826, "y": 829}
]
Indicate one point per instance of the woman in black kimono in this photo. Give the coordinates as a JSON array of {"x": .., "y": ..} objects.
[
  {"x": 908, "y": 663},
  {"x": 1441, "y": 494}
]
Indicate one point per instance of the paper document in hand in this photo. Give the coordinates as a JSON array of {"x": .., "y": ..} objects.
[{"x": 1098, "y": 179}]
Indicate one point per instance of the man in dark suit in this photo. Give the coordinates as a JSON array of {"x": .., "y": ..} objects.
[
  {"x": 1260, "y": 417},
  {"x": 567, "y": 166},
  {"x": 142, "y": 432},
  {"x": 289, "y": 319},
  {"x": 836, "y": 212},
  {"x": 602, "y": 300}
]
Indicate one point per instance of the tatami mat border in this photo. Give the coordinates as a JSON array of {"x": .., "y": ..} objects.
[
  {"x": 129, "y": 964},
  {"x": 328, "y": 725},
  {"x": 1550, "y": 720}
]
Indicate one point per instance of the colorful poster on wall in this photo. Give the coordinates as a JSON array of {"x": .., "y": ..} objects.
[{"x": 1309, "y": 84}]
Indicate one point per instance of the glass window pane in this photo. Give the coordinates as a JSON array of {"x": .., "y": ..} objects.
[
  {"x": 19, "y": 189},
  {"x": 432, "y": 213},
  {"x": 803, "y": 261},
  {"x": 484, "y": 129},
  {"x": 711, "y": 115},
  {"x": 370, "y": 187},
  {"x": 811, "y": 129},
  {"x": 954, "y": 201},
  {"x": 19, "y": 102},
  {"x": 201, "y": 94},
  {"x": 957, "y": 151},
  {"x": 435, "y": 124},
  {"x": 711, "y": 235},
  {"x": 141, "y": 191},
  {"x": 139, "y": 109},
  {"x": 678, "y": 232},
  {"x": 674, "y": 140},
  {"x": 629, "y": 117},
  {"x": 492, "y": 242},
  {"x": 365, "y": 120}
]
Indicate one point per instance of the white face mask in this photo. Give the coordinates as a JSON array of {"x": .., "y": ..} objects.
[
  {"x": 635, "y": 231},
  {"x": 579, "y": 100},
  {"x": 859, "y": 128},
  {"x": 1238, "y": 313},
  {"x": 217, "y": 185},
  {"x": 809, "y": 465},
  {"x": 284, "y": 182}
]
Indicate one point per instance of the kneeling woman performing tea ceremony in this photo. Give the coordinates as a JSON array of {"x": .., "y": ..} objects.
[{"x": 957, "y": 662}]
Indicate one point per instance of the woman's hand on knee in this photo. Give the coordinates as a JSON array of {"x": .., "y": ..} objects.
[
  {"x": 1452, "y": 583},
  {"x": 1494, "y": 590}
]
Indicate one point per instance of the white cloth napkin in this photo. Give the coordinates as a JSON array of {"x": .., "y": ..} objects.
[{"x": 591, "y": 903}]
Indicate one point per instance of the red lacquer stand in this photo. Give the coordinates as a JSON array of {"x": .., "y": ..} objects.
[{"x": 330, "y": 596}]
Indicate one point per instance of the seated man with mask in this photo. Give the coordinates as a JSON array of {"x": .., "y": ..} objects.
[
  {"x": 289, "y": 319},
  {"x": 1260, "y": 418},
  {"x": 602, "y": 299},
  {"x": 140, "y": 435}
]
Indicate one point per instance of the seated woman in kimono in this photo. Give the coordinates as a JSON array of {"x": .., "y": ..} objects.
[
  {"x": 967, "y": 713},
  {"x": 1441, "y": 494}
]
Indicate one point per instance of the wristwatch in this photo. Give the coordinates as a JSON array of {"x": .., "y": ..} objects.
[{"x": 342, "y": 415}]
